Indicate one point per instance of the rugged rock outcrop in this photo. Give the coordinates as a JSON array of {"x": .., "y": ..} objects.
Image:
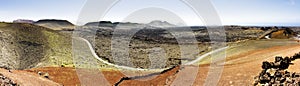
[{"x": 276, "y": 73}]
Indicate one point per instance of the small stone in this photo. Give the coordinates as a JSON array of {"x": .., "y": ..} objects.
[
  {"x": 40, "y": 73},
  {"x": 230, "y": 82},
  {"x": 46, "y": 75}
]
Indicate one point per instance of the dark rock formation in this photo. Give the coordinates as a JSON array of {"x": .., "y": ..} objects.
[{"x": 276, "y": 73}]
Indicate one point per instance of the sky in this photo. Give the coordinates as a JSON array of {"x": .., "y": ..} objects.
[{"x": 230, "y": 12}]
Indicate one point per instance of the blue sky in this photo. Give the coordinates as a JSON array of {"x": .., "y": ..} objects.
[
  {"x": 279, "y": 12},
  {"x": 40, "y": 9},
  {"x": 231, "y": 12}
]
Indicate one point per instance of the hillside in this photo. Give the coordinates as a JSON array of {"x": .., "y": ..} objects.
[
  {"x": 282, "y": 34},
  {"x": 278, "y": 33},
  {"x": 27, "y": 46}
]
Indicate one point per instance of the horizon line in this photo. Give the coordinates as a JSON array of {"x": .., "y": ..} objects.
[{"x": 242, "y": 24}]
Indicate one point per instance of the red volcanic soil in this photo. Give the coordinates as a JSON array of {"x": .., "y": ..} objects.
[
  {"x": 239, "y": 70},
  {"x": 65, "y": 76},
  {"x": 68, "y": 77},
  {"x": 24, "y": 78},
  {"x": 242, "y": 70}
]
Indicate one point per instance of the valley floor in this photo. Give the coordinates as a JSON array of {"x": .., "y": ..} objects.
[{"x": 243, "y": 63}]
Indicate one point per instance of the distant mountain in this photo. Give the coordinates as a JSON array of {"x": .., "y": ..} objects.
[
  {"x": 109, "y": 24},
  {"x": 55, "y": 24},
  {"x": 156, "y": 23},
  {"x": 161, "y": 24},
  {"x": 125, "y": 23},
  {"x": 23, "y": 21},
  {"x": 100, "y": 24}
]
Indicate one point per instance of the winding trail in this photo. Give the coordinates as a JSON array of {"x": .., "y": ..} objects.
[
  {"x": 91, "y": 49},
  {"x": 199, "y": 58}
]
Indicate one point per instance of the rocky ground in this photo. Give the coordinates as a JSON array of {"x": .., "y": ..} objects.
[
  {"x": 145, "y": 41},
  {"x": 5, "y": 81}
]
